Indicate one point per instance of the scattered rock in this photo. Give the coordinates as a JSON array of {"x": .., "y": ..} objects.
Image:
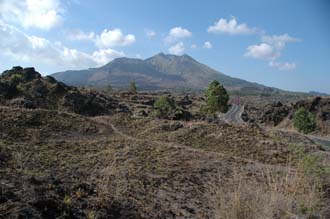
[
  {"x": 4, "y": 158},
  {"x": 185, "y": 101},
  {"x": 141, "y": 113},
  {"x": 22, "y": 102},
  {"x": 172, "y": 126},
  {"x": 270, "y": 114}
]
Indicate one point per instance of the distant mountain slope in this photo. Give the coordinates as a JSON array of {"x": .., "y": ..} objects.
[
  {"x": 316, "y": 93},
  {"x": 158, "y": 72}
]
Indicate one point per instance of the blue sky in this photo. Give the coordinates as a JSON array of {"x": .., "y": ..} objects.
[{"x": 280, "y": 43}]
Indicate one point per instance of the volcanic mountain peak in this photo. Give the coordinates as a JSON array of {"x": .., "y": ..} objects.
[{"x": 161, "y": 71}]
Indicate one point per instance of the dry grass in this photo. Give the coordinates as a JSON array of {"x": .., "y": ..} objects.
[{"x": 293, "y": 191}]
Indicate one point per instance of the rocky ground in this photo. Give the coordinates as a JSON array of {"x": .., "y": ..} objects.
[
  {"x": 280, "y": 114},
  {"x": 28, "y": 89},
  {"x": 119, "y": 161}
]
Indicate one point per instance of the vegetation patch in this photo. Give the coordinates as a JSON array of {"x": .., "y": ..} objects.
[
  {"x": 304, "y": 121},
  {"x": 216, "y": 98}
]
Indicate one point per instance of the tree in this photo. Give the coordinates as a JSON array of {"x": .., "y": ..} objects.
[
  {"x": 108, "y": 88},
  {"x": 132, "y": 87},
  {"x": 216, "y": 98},
  {"x": 304, "y": 121}
]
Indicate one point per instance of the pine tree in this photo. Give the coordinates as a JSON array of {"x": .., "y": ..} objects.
[
  {"x": 132, "y": 87},
  {"x": 216, "y": 98},
  {"x": 108, "y": 88}
]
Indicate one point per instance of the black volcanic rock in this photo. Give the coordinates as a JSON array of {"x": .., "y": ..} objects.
[
  {"x": 274, "y": 113},
  {"x": 4, "y": 89},
  {"x": 270, "y": 114},
  {"x": 185, "y": 101},
  {"x": 24, "y": 87},
  {"x": 25, "y": 73},
  {"x": 320, "y": 108},
  {"x": 158, "y": 72}
]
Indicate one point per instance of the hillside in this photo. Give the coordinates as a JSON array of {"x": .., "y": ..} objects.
[
  {"x": 157, "y": 72},
  {"x": 68, "y": 152},
  {"x": 280, "y": 114},
  {"x": 25, "y": 87}
]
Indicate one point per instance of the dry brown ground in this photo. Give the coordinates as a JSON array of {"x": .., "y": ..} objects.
[{"x": 60, "y": 165}]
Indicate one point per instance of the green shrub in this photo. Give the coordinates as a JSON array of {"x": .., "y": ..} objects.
[
  {"x": 311, "y": 165},
  {"x": 304, "y": 121},
  {"x": 16, "y": 78},
  {"x": 165, "y": 107},
  {"x": 132, "y": 87},
  {"x": 108, "y": 88},
  {"x": 216, "y": 98}
]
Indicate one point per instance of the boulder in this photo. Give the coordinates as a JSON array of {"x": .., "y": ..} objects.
[
  {"x": 141, "y": 113},
  {"x": 50, "y": 79},
  {"x": 27, "y": 74},
  {"x": 30, "y": 74},
  {"x": 39, "y": 88},
  {"x": 173, "y": 126},
  {"x": 185, "y": 101},
  {"x": 22, "y": 102}
]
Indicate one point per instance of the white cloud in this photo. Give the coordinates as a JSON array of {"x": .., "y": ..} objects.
[
  {"x": 114, "y": 38},
  {"x": 279, "y": 41},
  {"x": 262, "y": 51},
  {"x": 103, "y": 56},
  {"x": 193, "y": 46},
  {"x": 230, "y": 27},
  {"x": 207, "y": 45},
  {"x": 283, "y": 66},
  {"x": 44, "y": 14},
  {"x": 138, "y": 56},
  {"x": 76, "y": 34},
  {"x": 150, "y": 33},
  {"x": 32, "y": 49},
  {"x": 107, "y": 39},
  {"x": 177, "y": 49},
  {"x": 177, "y": 33},
  {"x": 270, "y": 49}
]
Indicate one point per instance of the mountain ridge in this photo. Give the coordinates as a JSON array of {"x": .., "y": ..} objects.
[{"x": 161, "y": 71}]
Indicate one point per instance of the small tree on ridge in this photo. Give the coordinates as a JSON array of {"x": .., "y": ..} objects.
[
  {"x": 132, "y": 87},
  {"x": 216, "y": 98},
  {"x": 304, "y": 121}
]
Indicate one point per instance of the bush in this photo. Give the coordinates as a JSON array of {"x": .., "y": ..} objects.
[
  {"x": 216, "y": 98},
  {"x": 108, "y": 88},
  {"x": 132, "y": 87},
  {"x": 304, "y": 121},
  {"x": 16, "y": 78},
  {"x": 166, "y": 108}
]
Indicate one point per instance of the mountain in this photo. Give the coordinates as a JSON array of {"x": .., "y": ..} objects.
[
  {"x": 316, "y": 93},
  {"x": 157, "y": 72}
]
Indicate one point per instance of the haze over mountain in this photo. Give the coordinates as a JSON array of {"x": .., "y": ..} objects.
[{"x": 157, "y": 72}]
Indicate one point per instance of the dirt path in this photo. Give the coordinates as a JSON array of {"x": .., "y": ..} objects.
[
  {"x": 325, "y": 142},
  {"x": 233, "y": 116},
  {"x": 102, "y": 120},
  {"x": 322, "y": 141}
]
